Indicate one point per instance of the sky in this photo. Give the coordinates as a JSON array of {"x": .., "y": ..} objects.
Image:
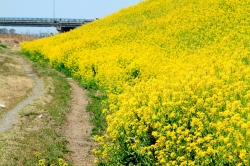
[{"x": 89, "y": 9}]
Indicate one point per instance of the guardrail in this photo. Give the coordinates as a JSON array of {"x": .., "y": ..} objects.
[{"x": 60, "y": 20}]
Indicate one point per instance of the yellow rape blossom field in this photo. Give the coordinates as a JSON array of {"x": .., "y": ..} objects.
[{"x": 177, "y": 77}]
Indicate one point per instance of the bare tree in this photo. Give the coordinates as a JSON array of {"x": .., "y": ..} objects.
[
  {"x": 5, "y": 31},
  {"x": 12, "y": 31}
]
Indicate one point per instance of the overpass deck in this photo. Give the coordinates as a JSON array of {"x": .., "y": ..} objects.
[{"x": 59, "y": 23}]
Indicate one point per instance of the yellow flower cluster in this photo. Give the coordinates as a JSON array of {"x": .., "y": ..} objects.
[
  {"x": 42, "y": 162},
  {"x": 177, "y": 76}
]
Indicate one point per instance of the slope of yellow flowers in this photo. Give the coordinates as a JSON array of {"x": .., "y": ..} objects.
[{"x": 177, "y": 76}]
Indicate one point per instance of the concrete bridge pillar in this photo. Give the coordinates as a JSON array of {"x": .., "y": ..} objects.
[{"x": 63, "y": 29}]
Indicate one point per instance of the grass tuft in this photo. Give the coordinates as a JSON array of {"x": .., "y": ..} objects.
[{"x": 3, "y": 46}]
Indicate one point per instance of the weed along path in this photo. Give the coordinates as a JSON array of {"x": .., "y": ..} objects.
[
  {"x": 11, "y": 117},
  {"x": 78, "y": 128}
]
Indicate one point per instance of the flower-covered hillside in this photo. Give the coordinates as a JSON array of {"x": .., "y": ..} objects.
[{"x": 177, "y": 77}]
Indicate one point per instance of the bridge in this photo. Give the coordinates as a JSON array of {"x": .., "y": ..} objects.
[{"x": 61, "y": 24}]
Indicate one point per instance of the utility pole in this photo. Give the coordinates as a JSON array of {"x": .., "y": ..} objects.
[{"x": 54, "y": 12}]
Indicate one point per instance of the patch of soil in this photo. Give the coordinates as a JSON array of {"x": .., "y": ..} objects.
[{"x": 78, "y": 128}]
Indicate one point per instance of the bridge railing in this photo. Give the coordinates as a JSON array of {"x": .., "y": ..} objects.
[{"x": 61, "y": 20}]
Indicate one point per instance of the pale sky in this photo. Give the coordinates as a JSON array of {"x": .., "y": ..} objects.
[{"x": 89, "y": 9}]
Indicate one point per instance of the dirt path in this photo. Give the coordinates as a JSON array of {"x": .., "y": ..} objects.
[
  {"x": 11, "y": 117},
  {"x": 78, "y": 128}
]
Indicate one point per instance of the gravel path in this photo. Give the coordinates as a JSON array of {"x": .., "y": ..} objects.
[{"x": 11, "y": 117}]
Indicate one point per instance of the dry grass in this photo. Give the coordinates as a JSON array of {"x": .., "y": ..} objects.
[
  {"x": 14, "y": 83},
  {"x": 10, "y": 40}
]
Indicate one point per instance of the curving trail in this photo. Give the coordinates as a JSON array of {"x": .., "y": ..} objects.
[
  {"x": 77, "y": 130},
  {"x": 11, "y": 117}
]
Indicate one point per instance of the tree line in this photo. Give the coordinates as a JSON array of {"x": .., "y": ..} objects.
[{"x": 6, "y": 31}]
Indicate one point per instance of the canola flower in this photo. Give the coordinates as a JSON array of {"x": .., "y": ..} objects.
[
  {"x": 42, "y": 162},
  {"x": 177, "y": 76}
]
